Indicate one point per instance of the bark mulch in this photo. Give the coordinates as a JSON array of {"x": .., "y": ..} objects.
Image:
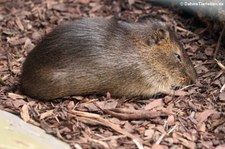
[{"x": 192, "y": 117}]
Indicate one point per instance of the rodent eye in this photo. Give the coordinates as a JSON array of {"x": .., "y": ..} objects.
[{"x": 178, "y": 58}]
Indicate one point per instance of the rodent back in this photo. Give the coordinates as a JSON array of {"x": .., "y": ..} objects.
[{"x": 79, "y": 55}]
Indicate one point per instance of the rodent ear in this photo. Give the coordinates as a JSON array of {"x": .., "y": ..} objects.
[{"x": 159, "y": 36}]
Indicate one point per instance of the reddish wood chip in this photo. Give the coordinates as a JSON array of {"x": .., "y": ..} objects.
[
  {"x": 46, "y": 114},
  {"x": 153, "y": 104},
  {"x": 15, "y": 96},
  {"x": 25, "y": 113},
  {"x": 201, "y": 117},
  {"x": 222, "y": 96},
  {"x": 19, "y": 24},
  {"x": 157, "y": 146}
]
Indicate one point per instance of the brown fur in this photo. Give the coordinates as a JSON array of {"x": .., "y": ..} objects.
[{"x": 95, "y": 55}]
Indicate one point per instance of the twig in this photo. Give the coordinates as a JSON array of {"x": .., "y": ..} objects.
[
  {"x": 112, "y": 138},
  {"x": 219, "y": 41},
  {"x": 105, "y": 145},
  {"x": 184, "y": 30},
  {"x": 9, "y": 64},
  {"x": 141, "y": 114},
  {"x": 185, "y": 87},
  {"x": 220, "y": 65},
  {"x": 77, "y": 146},
  {"x": 165, "y": 134},
  {"x": 222, "y": 88},
  {"x": 62, "y": 138},
  {"x": 92, "y": 118}
]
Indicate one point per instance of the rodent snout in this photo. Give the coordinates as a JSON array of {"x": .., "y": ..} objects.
[
  {"x": 183, "y": 82},
  {"x": 190, "y": 80},
  {"x": 186, "y": 80}
]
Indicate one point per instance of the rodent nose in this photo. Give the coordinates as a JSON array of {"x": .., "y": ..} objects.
[
  {"x": 192, "y": 81},
  {"x": 188, "y": 81}
]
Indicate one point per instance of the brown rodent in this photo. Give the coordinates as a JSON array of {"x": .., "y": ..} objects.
[{"x": 95, "y": 55}]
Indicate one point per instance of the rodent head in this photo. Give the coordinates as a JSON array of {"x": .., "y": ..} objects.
[{"x": 166, "y": 57}]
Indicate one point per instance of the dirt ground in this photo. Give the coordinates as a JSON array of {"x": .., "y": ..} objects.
[{"x": 191, "y": 118}]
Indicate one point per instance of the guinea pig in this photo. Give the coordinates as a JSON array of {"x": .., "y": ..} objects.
[{"x": 96, "y": 55}]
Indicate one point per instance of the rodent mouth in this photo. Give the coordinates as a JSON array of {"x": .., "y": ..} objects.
[{"x": 176, "y": 87}]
